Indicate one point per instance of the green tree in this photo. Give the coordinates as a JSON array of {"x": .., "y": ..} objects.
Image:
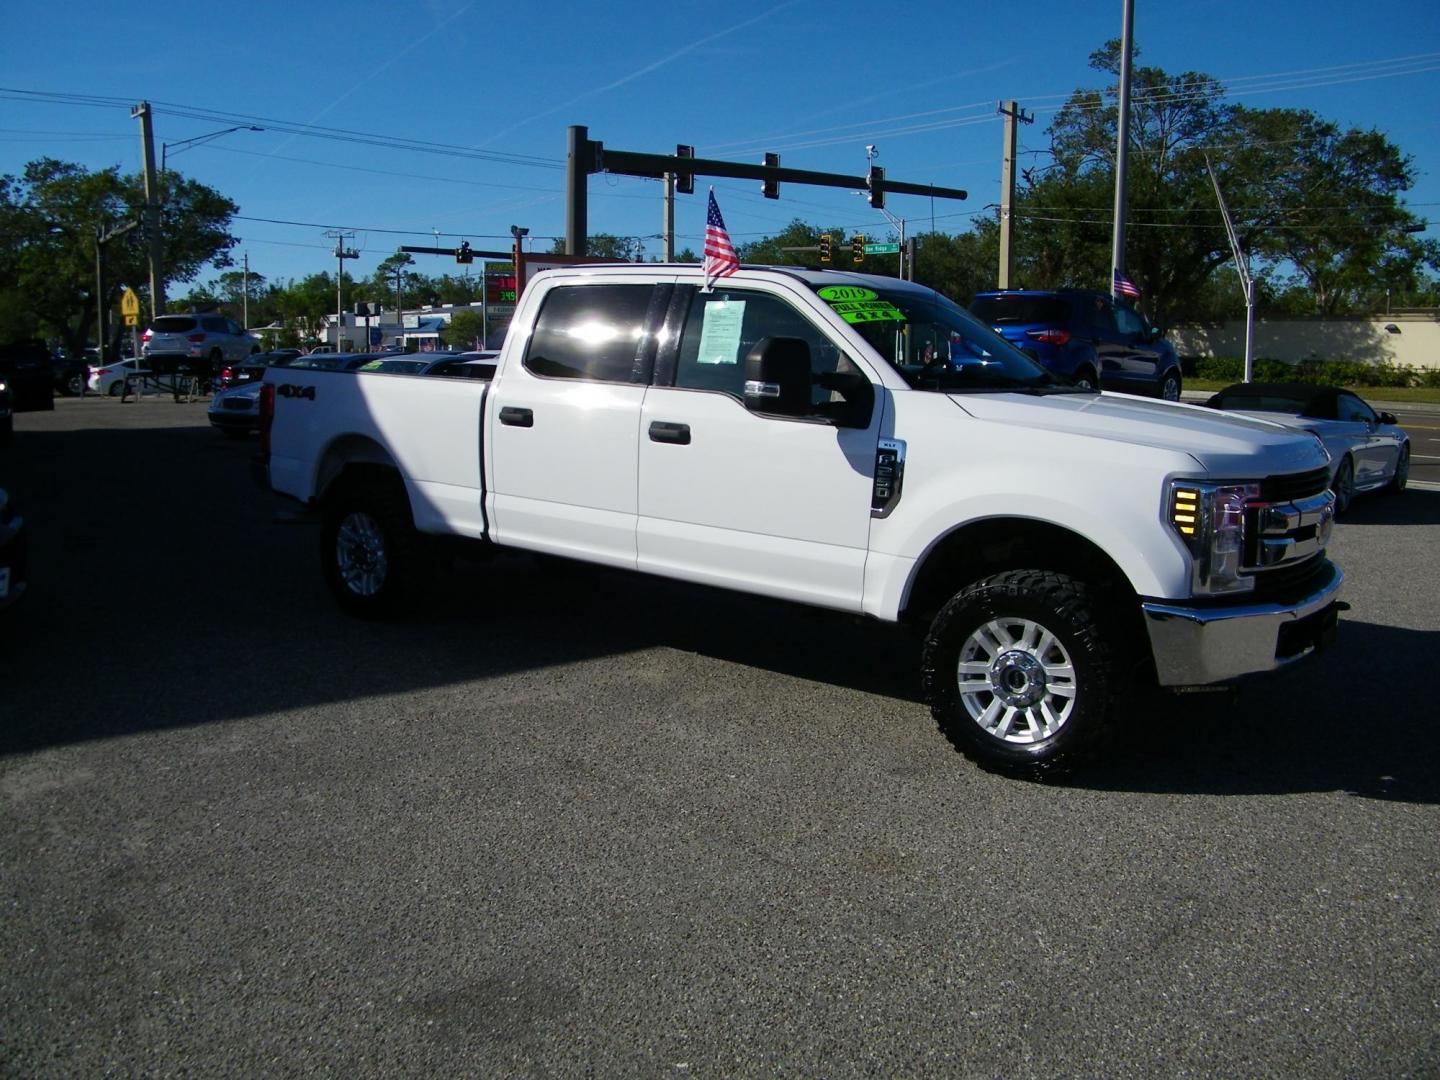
[
  {"x": 1304, "y": 194},
  {"x": 464, "y": 330},
  {"x": 49, "y": 218},
  {"x": 606, "y": 246}
]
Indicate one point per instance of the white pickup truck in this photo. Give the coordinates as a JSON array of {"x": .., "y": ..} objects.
[{"x": 847, "y": 441}]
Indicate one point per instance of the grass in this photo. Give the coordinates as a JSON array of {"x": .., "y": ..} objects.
[{"x": 1409, "y": 395}]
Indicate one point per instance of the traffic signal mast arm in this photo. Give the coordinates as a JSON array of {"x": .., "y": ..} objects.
[{"x": 655, "y": 166}]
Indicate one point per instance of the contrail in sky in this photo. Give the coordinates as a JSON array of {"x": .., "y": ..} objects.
[
  {"x": 370, "y": 76},
  {"x": 642, "y": 71}
]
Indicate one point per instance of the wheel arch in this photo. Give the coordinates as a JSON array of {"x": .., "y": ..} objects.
[
  {"x": 982, "y": 548},
  {"x": 356, "y": 455}
]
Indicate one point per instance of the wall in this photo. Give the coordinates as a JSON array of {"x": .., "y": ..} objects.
[{"x": 1417, "y": 344}]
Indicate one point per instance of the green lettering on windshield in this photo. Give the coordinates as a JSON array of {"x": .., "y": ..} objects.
[{"x": 857, "y": 305}]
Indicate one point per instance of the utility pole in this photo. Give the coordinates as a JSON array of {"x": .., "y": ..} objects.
[
  {"x": 580, "y": 161},
  {"x": 102, "y": 237},
  {"x": 341, "y": 254},
  {"x": 154, "y": 241},
  {"x": 1013, "y": 114},
  {"x": 1122, "y": 143},
  {"x": 669, "y": 225},
  {"x": 245, "y": 286}
]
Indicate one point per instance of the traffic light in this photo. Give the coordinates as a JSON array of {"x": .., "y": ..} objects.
[
  {"x": 875, "y": 181},
  {"x": 770, "y": 187},
  {"x": 463, "y": 253},
  {"x": 824, "y": 247},
  {"x": 857, "y": 248},
  {"x": 685, "y": 181}
]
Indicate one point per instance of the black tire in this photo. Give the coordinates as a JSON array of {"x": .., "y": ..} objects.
[
  {"x": 1060, "y": 677},
  {"x": 1170, "y": 386},
  {"x": 117, "y": 388},
  {"x": 1402, "y": 473},
  {"x": 235, "y": 433},
  {"x": 73, "y": 385},
  {"x": 369, "y": 548},
  {"x": 1086, "y": 379},
  {"x": 1344, "y": 485}
]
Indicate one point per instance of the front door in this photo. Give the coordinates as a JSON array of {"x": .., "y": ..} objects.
[{"x": 772, "y": 505}]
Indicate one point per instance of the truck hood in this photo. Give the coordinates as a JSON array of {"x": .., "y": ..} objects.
[{"x": 1223, "y": 443}]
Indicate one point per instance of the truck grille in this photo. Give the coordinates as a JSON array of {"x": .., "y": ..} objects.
[
  {"x": 1286, "y": 532},
  {"x": 1295, "y": 486}
]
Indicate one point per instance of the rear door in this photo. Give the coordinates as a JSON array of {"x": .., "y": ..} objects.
[
  {"x": 562, "y": 423},
  {"x": 774, "y": 505}
]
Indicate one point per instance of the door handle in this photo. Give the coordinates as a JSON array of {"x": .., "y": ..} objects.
[
  {"x": 664, "y": 431},
  {"x": 512, "y": 416}
]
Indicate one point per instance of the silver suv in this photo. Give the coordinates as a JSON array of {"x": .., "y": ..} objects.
[{"x": 197, "y": 341}]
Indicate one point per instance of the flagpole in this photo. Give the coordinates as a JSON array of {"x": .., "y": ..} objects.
[{"x": 1122, "y": 146}]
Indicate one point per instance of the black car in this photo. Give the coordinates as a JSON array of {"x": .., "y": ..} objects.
[
  {"x": 71, "y": 374},
  {"x": 252, "y": 368},
  {"x": 7, "y": 414},
  {"x": 26, "y": 367},
  {"x": 1087, "y": 337},
  {"x": 12, "y": 553}
]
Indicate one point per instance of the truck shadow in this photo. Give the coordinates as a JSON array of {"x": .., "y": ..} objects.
[
  {"x": 1353, "y": 720},
  {"x": 1415, "y": 506},
  {"x": 164, "y": 596}
]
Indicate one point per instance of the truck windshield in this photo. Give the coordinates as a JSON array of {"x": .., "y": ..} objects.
[{"x": 934, "y": 343}]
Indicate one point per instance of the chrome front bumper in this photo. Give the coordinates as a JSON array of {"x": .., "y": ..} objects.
[{"x": 1196, "y": 646}]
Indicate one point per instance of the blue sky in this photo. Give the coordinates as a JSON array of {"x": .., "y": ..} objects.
[{"x": 815, "y": 80}]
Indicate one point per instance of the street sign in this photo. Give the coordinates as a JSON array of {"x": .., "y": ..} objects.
[
  {"x": 882, "y": 249},
  {"x": 130, "y": 306},
  {"x": 132, "y": 320}
]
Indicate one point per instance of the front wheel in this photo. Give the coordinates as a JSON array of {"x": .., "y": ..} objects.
[
  {"x": 1085, "y": 379},
  {"x": 1344, "y": 485},
  {"x": 1402, "y": 472},
  {"x": 368, "y": 547},
  {"x": 1021, "y": 674}
]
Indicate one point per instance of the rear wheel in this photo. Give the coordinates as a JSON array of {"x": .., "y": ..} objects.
[
  {"x": 1021, "y": 674},
  {"x": 117, "y": 388},
  {"x": 1086, "y": 379},
  {"x": 1170, "y": 386},
  {"x": 369, "y": 546}
]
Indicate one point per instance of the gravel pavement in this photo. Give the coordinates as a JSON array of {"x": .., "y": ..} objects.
[{"x": 572, "y": 822}]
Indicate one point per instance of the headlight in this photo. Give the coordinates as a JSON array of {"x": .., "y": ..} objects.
[
  {"x": 1210, "y": 520},
  {"x": 3, "y": 386}
]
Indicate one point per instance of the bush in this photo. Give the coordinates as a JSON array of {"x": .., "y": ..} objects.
[{"x": 1354, "y": 373}]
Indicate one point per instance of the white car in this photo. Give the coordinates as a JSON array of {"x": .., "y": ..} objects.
[
  {"x": 110, "y": 379},
  {"x": 196, "y": 340},
  {"x": 1368, "y": 451},
  {"x": 235, "y": 411}
]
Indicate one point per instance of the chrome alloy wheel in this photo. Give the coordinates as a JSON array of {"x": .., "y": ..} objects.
[
  {"x": 360, "y": 554},
  {"x": 1016, "y": 680}
]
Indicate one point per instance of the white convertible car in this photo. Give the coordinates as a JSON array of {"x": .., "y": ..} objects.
[{"x": 1368, "y": 451}]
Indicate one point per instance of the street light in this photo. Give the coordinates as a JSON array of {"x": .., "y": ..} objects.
[{"x": 166, "y": 147}]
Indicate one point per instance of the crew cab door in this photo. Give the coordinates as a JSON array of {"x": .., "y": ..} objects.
[
  {"x": 778, "y": 505},
  {"x": 562, "y": 421}
]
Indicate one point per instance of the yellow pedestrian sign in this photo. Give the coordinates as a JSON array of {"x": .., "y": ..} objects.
[{"x": 130, "y": 306}]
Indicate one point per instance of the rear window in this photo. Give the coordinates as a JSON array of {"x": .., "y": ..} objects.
[
  {"x": 173, "y": 324},
  {"x": 1020, "y": 310}
]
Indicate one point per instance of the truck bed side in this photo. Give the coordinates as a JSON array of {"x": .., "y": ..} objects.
[{"x": 428, "y": 429}]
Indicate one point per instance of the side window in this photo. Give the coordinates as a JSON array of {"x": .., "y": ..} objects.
[
  {"x": 724, "y": 325},
  {"x": 1354, "y": 410},
  {"x": 1129, "y": 323},
  {"x": 1098, "y": 314},
  {"x": 589, "y": 332},
  {"x": 213, "y": 324}
]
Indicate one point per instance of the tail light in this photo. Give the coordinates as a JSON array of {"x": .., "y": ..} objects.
[
  {"x": 267, "y": 416},
  {"x": 103, "y": 371},
  {"x": 196, "y": 338},
  {"x": 1050, "y": 337},
  {"x": 226, "y": 374},
  {"x": 147, "y": 335}
]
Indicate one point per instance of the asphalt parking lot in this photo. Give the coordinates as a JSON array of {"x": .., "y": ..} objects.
[{"x": 590, "y": 824}]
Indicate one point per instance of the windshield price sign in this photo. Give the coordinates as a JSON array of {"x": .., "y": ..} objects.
[{"x": 857, "y": 305}]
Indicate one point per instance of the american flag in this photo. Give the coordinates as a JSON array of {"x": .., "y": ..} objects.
[
  {"x": 1123, "y": 286},
  {"x": 720, "y": 260}
]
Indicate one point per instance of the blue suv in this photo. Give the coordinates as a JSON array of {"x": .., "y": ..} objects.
[{"x": 1086, "y": 337}]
